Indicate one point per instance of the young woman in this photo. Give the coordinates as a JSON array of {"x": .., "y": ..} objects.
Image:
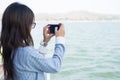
[{"x": 21, "y": 61}]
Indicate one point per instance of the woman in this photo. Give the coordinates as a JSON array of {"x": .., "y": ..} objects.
[{"x": 20, "y": 60}]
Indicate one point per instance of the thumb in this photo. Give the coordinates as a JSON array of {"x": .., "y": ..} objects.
[
  {"x": 56, "y": 29},
  {"x": 45, "y": 29},
  {"x": 51, "y": 35}
]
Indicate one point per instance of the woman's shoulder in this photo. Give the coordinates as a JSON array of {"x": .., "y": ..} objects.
[
  {"x": 26, "y": 48},
  {"x": 28, "y": 51}
]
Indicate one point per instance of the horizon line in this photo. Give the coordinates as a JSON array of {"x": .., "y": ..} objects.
[{"x": 94, "y": 12}]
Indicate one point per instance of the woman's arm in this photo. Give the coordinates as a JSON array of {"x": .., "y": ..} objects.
[{"x": 36, "y": 62}]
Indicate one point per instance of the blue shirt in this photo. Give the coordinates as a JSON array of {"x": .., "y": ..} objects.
[{"x": 30, "y": 64}]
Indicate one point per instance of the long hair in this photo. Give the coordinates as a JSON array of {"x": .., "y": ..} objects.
[{"x": 16, "y": 25}]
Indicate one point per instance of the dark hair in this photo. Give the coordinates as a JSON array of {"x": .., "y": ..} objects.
[{"x": 16, "y": 25}]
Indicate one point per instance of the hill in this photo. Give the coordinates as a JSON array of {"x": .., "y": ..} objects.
[{"x": 76, "y": 16}]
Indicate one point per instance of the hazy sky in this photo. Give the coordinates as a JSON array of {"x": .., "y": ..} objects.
[{"x": 62, "y": 6}]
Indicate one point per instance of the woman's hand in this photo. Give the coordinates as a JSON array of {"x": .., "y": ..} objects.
[
  {"x": 46, "y": 34},
  {"x": 60, "y": 32}
]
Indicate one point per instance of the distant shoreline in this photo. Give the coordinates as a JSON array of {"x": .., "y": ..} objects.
[
  {"x": 70, "y": 21},
  {"x": 76, "y": 16},
  {"x": 83, "y": 16}
]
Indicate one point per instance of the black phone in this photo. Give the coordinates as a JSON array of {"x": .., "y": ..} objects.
[{"x": 52, "y": 27}]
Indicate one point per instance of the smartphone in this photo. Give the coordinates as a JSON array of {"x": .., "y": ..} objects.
[{"x": 52, "y": 27}]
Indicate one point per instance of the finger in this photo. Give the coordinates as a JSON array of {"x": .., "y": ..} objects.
[
  {"x": 45, "y": 26},
  {"x": 51, "y": 35},
  {"x": 61, "y": 26},
  {"x": 56, "y": 28},
  {"x": 46, "y": 29}
]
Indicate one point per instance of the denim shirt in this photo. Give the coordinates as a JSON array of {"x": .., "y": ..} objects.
[{"x": 30, "y": 64}]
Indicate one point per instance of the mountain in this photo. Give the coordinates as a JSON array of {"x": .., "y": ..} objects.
[{"x": 76, "y": 16}]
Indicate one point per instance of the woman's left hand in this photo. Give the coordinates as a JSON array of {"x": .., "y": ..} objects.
[{"x": 46, "y": 34}]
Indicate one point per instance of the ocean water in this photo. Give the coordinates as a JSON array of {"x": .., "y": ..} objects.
[{"x": 92, "y": 50}]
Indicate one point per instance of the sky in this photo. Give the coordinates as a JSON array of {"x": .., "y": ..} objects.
[{"x": 64, "y": 6}]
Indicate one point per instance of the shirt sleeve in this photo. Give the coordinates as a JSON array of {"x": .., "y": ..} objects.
[
  {"x": 60, "y": 40},
  {"x": 38, "y": 62},
  {"x": 43, "y": 50}
]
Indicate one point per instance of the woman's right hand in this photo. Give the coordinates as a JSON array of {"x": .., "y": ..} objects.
[{"x": 60, "y": 32}]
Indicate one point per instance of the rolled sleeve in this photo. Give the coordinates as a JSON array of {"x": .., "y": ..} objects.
[{"x": 60, "y": 40}]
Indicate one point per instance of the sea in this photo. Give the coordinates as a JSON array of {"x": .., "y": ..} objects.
[{"x": 92, "y": 50}]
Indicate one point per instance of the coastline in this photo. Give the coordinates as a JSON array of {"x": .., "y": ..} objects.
[
  {"x": 71, "y": 21},
  {"x": 75, "y": 21}
]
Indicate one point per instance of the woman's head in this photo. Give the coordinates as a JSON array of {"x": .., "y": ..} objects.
[
  {"x": 17, "y": 21},
  {"x": 16, "y": 24}
]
